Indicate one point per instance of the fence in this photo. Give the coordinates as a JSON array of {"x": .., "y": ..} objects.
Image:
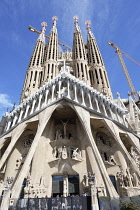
[
  {"x": 57, "y": 203},
  {"x": 70, "y": 203}
]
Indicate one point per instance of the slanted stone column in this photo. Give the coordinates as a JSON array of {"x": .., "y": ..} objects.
[
  {"x": 33, "y": 106},
  {"x": 9, "y": 124},
  {"x": 20, "y": 115},
  {"x": 83, "y": 101},
  {"x": 59, "y": 89},
  {"x": 75, "y": 93},
  {"x": 85, "y": 120},
  {"x": 16, "y": 133},
  {"x": 90, "y": 104},
  {"x": 44, "y": 117}
]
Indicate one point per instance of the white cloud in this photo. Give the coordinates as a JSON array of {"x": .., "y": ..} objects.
[{"x": 5, "y": 101}]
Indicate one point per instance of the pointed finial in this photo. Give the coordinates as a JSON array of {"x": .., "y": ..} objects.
[
  {"x": 43, "y": 24},
  {"x": 87, "y": 22},
  {"x": 54, "y": 18},
  {"x": 118, "y": 95},
  {"x": 75, "y": 17}
]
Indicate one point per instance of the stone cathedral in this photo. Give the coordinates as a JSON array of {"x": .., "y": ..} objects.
[{"x": 68, "y": 131}]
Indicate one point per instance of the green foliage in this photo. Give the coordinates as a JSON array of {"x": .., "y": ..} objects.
[{"x": 129, "y": 206}]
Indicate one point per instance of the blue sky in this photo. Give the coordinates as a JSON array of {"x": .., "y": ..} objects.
[{"x": 116, "y": 21}]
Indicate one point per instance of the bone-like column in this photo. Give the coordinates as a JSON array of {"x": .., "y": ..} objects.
[
  {"x": 9, "y": 124},
  {"x": 46, "y": 97},
  {"x": 15, "y": 119},
  {"x": 20, "y": 115},
  {"x": 75, "y": 93},
  {"x": 33, "y": 106},
  {"x": 89, "y": 98},
  {"x": 16, "y": 133},
  {"x": 27, "y": 109},
  {"x": 85, "y": 120},
  {"x": 83, "y": 101},
  {"x": 59, "y": 88},
  {"x": 44, "y": 117},
  {"x": 113, "y": 129},
  {"x": 40, "y": 98},
  {"x": 68, "y": 87}
]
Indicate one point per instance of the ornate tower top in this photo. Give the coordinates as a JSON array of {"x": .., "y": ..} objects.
[
  {"x": 97, "y": 72},
  {"x": 88, "y": 22},
  {"x": 54, "y": 29},
  {"x": 41, "y": 36},
  {"x": 75, "y": 17},
  {"x": 54, "y": 18}
]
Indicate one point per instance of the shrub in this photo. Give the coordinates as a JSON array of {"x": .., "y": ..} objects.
[{"x": 129, "y": 206}]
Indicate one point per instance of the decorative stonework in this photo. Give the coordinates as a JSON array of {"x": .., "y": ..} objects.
[{"x": 56, "y": 90}]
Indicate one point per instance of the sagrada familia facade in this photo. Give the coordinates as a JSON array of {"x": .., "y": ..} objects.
[{"x": 69, "y": 135}]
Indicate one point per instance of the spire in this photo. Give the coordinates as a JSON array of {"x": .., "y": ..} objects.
[
  {"x": 51, "y": 54},
  {"x": 77, "y": 28},
  {"x": 38, "y": 53},
  {"x": 42, "y": 35},
  {"x": 54, "y": 18},
  {"x": 79, "y": 53},
  {"x": 34, "y": 73},
  {"x": 97, "y": 72}
]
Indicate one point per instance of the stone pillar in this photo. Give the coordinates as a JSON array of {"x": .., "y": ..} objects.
[
  {"x": 94, "y": 199},
  {"x": 75, "y": 93},
  {"x": 44, "y": 117},
  {"x": 90, "y": 104},
  {"x": 65, "y": 185},
  {"x": 83, "y": 101},
  {"x": 85, "y": 120}
]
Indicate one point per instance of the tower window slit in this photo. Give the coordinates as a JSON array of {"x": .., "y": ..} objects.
[
  {"x": 96, "y": 76},
  {"x": 82, "y": 70},
  {"x": 78, "y": 69},
  {"x": 31, "y": 76},
  {"x": 101, "y": 76},
  {"x": 35, "y": 76},
  {"x": 48, "y": 68}
]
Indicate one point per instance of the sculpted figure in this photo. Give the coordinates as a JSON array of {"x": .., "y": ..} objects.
[
  {"x": 112, "y": 160},
  {"x": 76, "y": 155},
  {"x": 120, "y": 179},
  {"x": 86, "y": 180},
  {"x": 64, "y": 153},
  {"x": 58, "y": 135},
  {"x": 65, "y": 129},
  {"x": 135, "y": 180},
  {"x": 60, "y": 152}
]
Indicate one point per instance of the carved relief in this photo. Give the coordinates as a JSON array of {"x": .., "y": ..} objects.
[
  {"x": 63, "y": 152},
  {"x": 28, "y": 142},
  {"x": 20, "y": 161},
  {"x": 63, "y": 130},
  {"x": 35, "y": 190},
  {"x": 127, "y": 180},
  {"x": 89, "y": 179},
  {"x": 108, "y": 158},
  {"x": 103, "y": 138},
  {"x": 136, "y": 156}
]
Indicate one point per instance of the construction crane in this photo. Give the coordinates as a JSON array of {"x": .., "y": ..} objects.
[
  {"x": 38, "y": 32},
  {"x": 120, "y": 52}
]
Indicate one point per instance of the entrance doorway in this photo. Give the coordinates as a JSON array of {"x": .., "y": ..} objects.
[{"x": 65, "y": 185}]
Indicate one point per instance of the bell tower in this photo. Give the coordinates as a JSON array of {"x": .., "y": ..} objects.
[
  {"x": 79, "y": 54},
  {"x": 34, "y": 73},
  {"x": 51, "y": 54},
  {"x": 97, "y": 72}
]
